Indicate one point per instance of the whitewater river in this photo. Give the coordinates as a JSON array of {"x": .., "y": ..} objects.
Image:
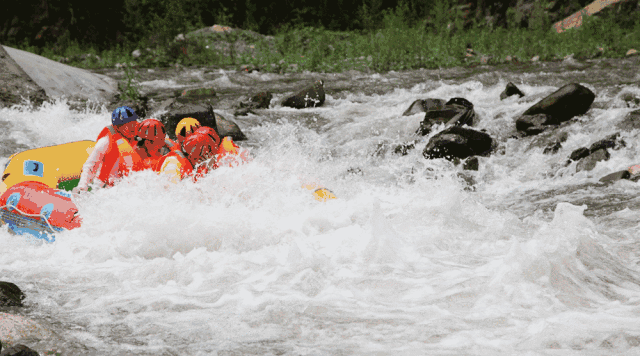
[{"x": 534, "y": 259}]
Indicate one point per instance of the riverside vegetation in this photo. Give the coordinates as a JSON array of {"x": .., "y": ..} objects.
[{"x": 395, "y": 40}]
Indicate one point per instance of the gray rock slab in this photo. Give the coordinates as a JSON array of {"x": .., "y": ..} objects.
[{"x": 60, "y": 80}]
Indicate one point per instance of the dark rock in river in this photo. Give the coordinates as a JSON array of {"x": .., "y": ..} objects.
[
  {"x": 10, "y": 295},
  {"x": 308, "y": 97},
  {"x": 579, "y": 154},
  {"x": 563, "y": 104},
  {"x": 205, "y": 115},
  {"x": 550, "y": 141},
  {"x": 631, "y": 121},
  {"x": 589, "y": 162},
  {"x": 228, "y": 128},
  {"x": 471, "y": 164},
  {"x": 612, "y": 141},
  {"x": 597, "y": 152},
  {"x": 455, "y": 112},
  {"x": 19, "y": 350},
  {"x": 529, "y": 125},
  {"x": 404, "y": 148},
  {"x": 257, "y": 101},
  {"x": 16, "y": 84},
  {"x": 458, "y": 142},
  {"x": 616, "y": 176},
  {"x": 510, "y": 90},
  {"x": 261, "y": 100},
  {"x": 424, "y": 105}
]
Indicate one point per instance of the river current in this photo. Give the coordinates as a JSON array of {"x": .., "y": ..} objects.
[{"x": 411, "y": 259}]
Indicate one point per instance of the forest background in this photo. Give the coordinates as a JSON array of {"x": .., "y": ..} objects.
[{"x": 320, "y": 35}]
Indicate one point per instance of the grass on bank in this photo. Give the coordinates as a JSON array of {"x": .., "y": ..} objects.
[{"x": 396, "y": 47}]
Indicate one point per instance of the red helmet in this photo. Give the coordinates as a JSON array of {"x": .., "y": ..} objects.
[
  {"x": 198, "y": 145},
  {"x": 206, "y": 130},
  {"x": 151, "y": 129}
]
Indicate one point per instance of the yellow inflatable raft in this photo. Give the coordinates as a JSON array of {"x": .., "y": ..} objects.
[{"x": 57, "y": 166}]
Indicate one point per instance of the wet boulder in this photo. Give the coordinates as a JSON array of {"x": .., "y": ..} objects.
[
  {"x": 565, "y": 103},
  {"x": 10, "y": 295},
  {"x": 630, "y": 122},
  {"x": 261, "y": 100},
  {"x": 19, "y": 350},
  {"x": 458, "y": 142},
  {"x": 308, "y": 97},
  {"x": 205, "y": 115},
  {"x": 588, "y": 163},
  {"x": 424, "y": 105},
  {"x": 60, "y": 80},
  {"x": 529, "y": 125},
  {"x": 587, "y": 158},
  {"x": 471, "y": 164},
  {"x": 455, "y": 112},
  {"x": 15, "y": 84},
  {"x": 615, "y": 176},
  {"x": 510, "y": 90}
]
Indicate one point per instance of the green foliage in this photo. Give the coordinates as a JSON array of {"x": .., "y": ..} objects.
[{"x": 129, "y": 87}]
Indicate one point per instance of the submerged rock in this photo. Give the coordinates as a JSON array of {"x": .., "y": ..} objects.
[
  {"x": 10, "y": 295},
  {"x": 458, "y": 142},
  {"x": 598, "y": 151},
  {"x": 529, "y": 125},
  {"x": 615, "y": 176},
  {"x": 631, "y": 121},
  {"x": 510, "y": 90},
  {"x": 455, "y": 112},
  {"x": 589, "y": 162},
  {"x": 424, "y": 105},
  {"x": 308, "y": 97}
]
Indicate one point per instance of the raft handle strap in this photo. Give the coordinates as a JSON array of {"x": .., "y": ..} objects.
[{"x": 41, "y": 216}]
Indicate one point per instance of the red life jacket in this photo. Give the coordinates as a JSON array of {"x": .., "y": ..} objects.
[
  {"x": 185, "y": 167},
  {"x": 121, "y": 151}
]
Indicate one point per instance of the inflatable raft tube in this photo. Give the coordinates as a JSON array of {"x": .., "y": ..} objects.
[
  {"x": 35, "y": 208},
  {"x": 56, "y": 166}
]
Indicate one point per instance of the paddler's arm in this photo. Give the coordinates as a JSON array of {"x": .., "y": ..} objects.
[{"x": 92, "y": 166}]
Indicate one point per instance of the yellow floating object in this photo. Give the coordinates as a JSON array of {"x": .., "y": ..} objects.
[
  {"x": 323, "y": 194},
  {"x": 320, "y": 193},
  {"x": 55, "y": 166}
]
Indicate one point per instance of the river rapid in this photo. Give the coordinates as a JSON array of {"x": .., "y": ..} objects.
[{"x": 411, "y": 259}]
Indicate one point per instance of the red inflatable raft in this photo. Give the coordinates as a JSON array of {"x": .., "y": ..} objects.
[{"x": 34, "y": 208}]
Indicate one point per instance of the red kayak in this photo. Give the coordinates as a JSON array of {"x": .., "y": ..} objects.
[{"x": 34, "y": 208}]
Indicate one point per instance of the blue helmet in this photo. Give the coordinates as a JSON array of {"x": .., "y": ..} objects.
[{"x": 122, "y": 115}]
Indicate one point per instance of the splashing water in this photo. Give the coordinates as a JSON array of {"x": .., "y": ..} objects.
[{"x": 532, "y": 259}]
